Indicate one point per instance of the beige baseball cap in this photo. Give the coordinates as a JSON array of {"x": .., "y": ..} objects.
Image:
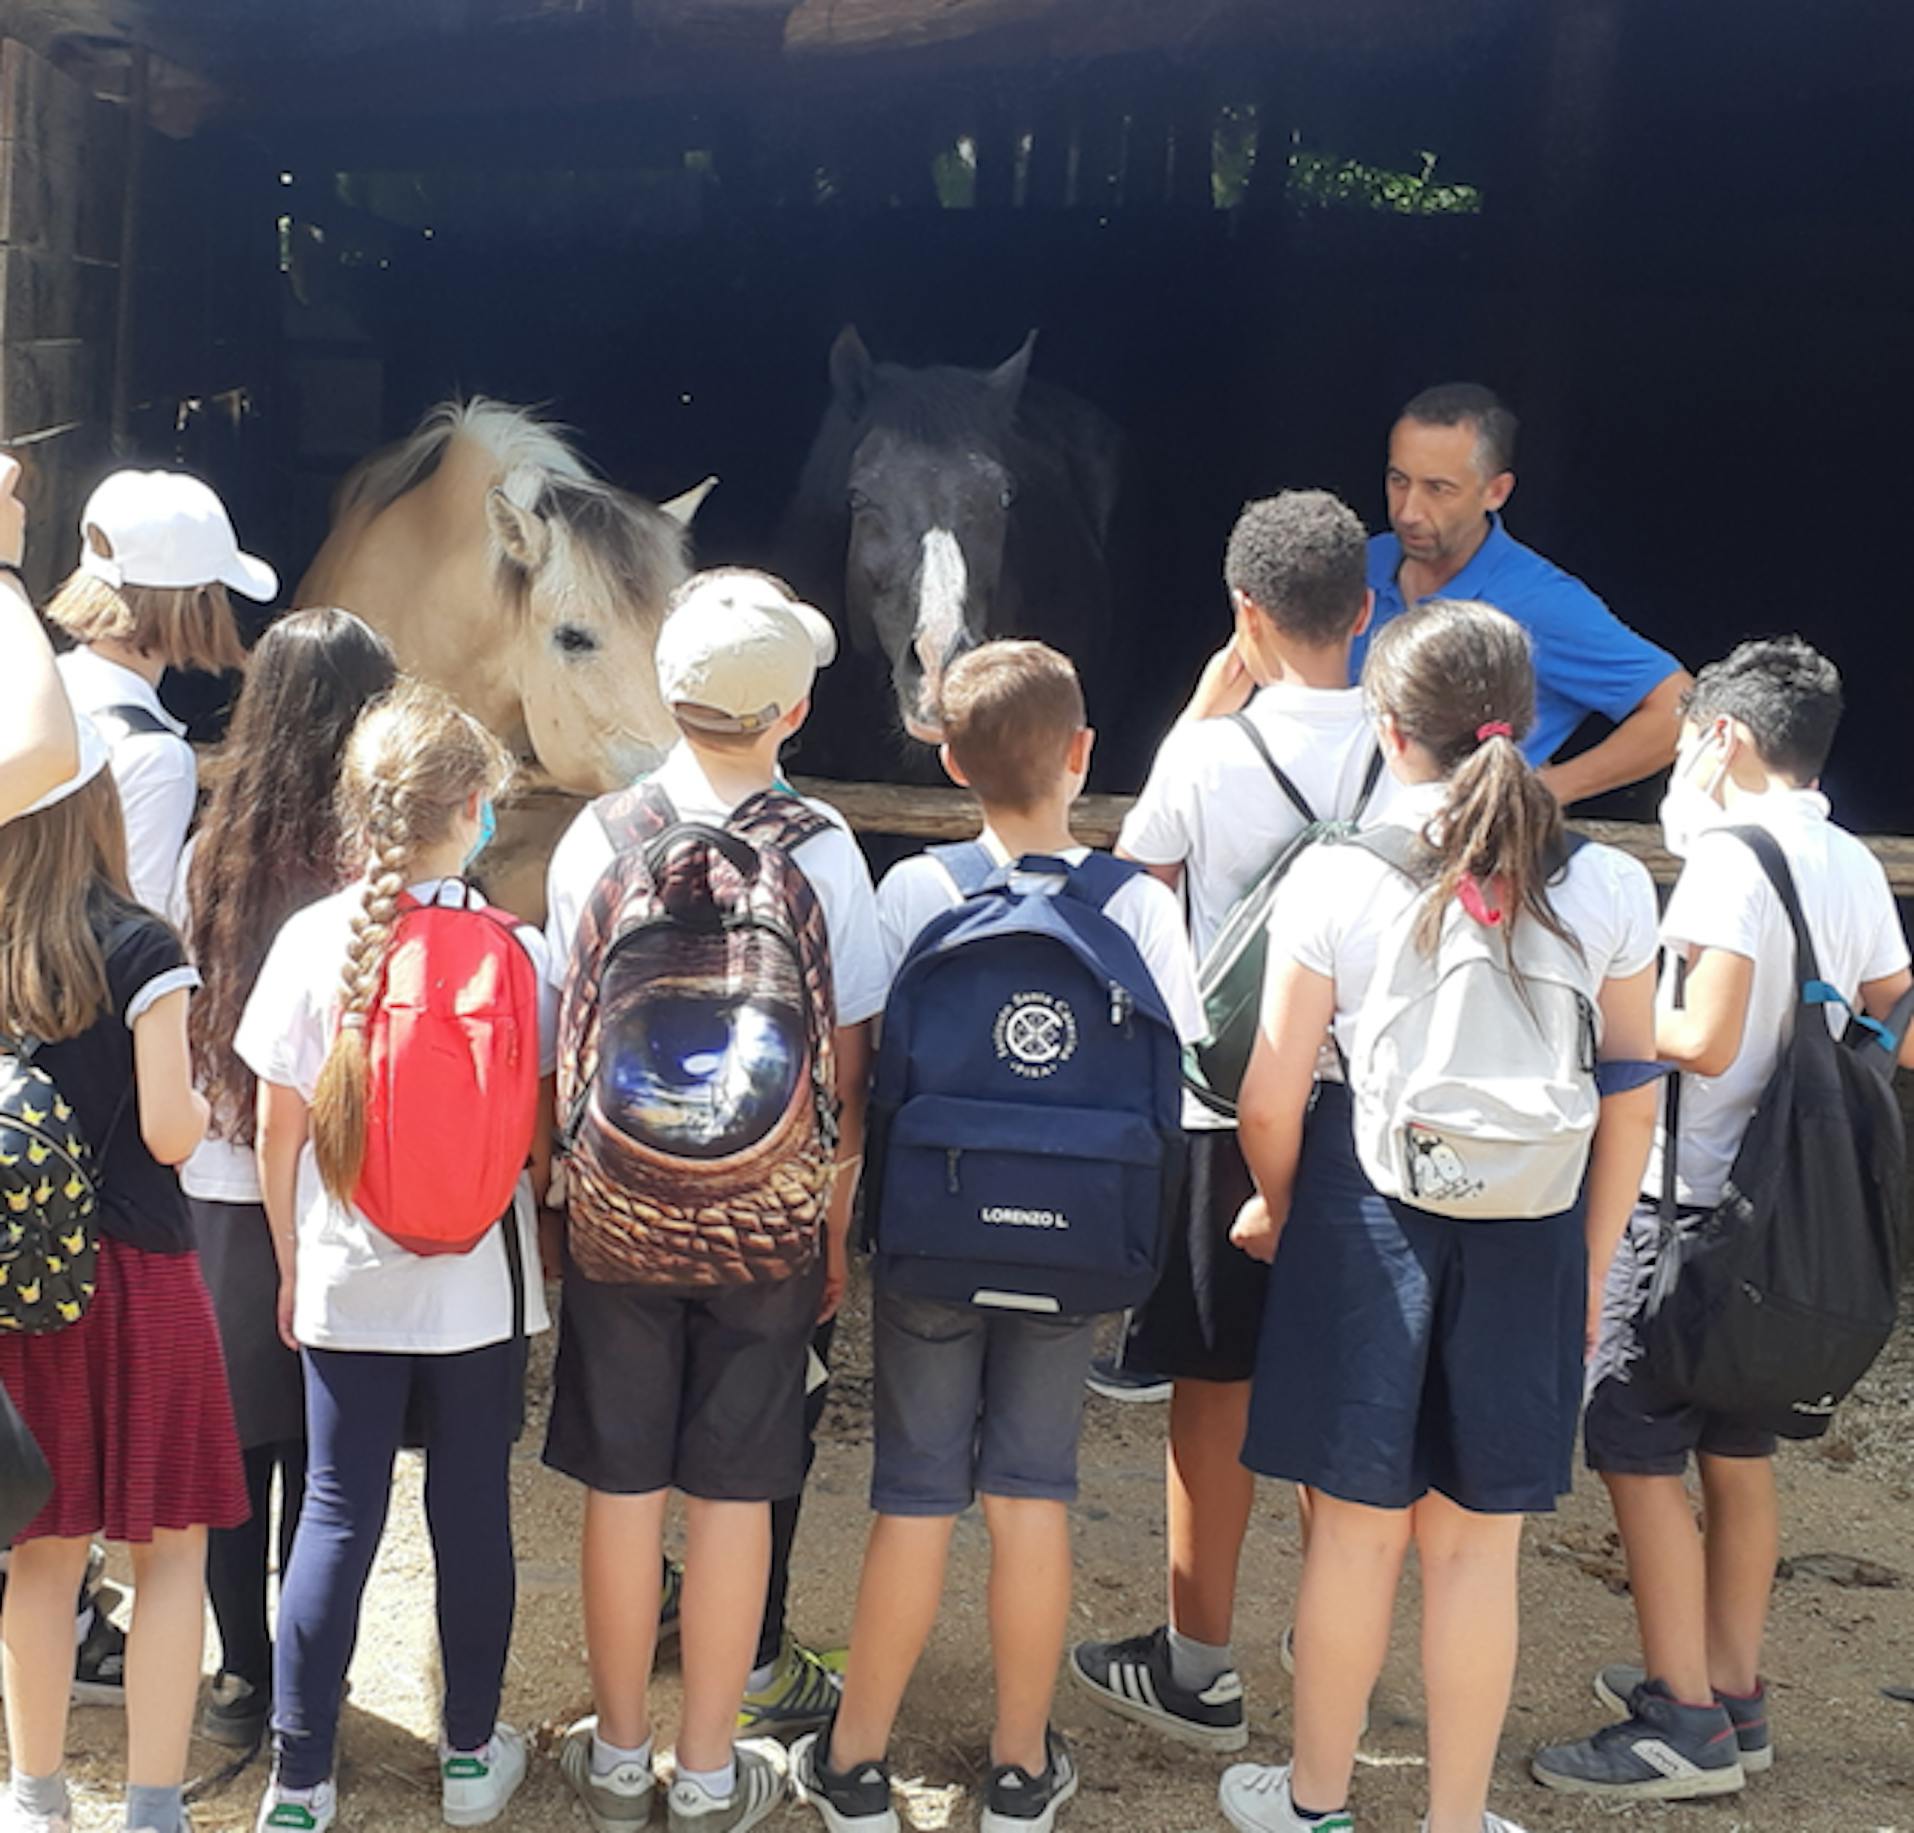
[
  {"x": 167, "y": 529},
  {"x": 739, "y": 650}
]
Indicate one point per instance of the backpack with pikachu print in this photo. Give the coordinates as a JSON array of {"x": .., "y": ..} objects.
[{"x": 48, "y": 1199}]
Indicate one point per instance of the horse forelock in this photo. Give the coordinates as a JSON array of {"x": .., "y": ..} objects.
[{"x": 517, "y": 440}]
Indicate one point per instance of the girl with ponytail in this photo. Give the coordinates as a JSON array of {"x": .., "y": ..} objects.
[
  {"x": 383, "y": 1330},
  {"x": 1418, "y": 1375}
]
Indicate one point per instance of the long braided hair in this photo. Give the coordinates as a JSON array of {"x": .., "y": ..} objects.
[{"x": 415, "y": 759}]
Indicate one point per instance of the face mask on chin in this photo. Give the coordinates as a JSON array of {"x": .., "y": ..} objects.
[
  {"x": 1687, "y": 810},
  {"x": 487, "y": 831}
]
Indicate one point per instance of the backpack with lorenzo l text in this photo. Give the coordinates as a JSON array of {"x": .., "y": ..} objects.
[
  {"x": 1230, "y": 976},
  {"x": 1472, "y": 1073},
  {"x": 697, "y": 1068},
  {"x": 1770, "y": 1306},
  {"x": 1025, "y": 1149},
  {"x": 452, "y": 1084}
]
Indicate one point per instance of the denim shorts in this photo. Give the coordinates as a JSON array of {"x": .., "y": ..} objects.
[
  {"x": 1625, "y": 1431},
  {"x": 970, "y": 1400},
  {"x": 1403, "y": 1352}
]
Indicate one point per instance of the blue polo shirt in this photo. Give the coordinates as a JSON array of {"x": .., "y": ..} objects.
[{"x": 1586, "y": 659}]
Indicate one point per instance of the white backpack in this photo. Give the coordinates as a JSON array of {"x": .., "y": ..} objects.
[{"x": 1473, "y": 1085}]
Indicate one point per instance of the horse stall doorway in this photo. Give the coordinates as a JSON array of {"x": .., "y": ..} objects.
[{"x": 1243, "y": 230}]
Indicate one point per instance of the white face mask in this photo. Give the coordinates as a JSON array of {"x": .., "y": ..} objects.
[{"x": 1688, "y": 810}]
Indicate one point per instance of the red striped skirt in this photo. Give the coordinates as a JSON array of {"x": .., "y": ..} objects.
[{"x": 130, "y": 1405}]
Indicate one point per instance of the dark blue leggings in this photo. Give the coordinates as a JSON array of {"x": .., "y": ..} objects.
[{"x": 355, "y": 1417}]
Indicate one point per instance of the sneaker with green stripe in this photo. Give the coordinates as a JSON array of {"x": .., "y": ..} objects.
[
  {"x": 1255, "y": 1798},
  {"x": 297, "y": 1810},
  {"x": 474, "y": 1785}
]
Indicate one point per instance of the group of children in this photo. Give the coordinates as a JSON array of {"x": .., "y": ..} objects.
[{"x": 1419, "y": 1379}]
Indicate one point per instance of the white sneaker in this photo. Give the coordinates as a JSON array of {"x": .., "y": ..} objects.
[
  {"x": 15, "y": 1819},
  {"x": 760, "y": 1789},
  {"x": 1255, "y": 1798},
  {"x": 297, "y": 1810},
  {"x": 474, "y": 1785}
]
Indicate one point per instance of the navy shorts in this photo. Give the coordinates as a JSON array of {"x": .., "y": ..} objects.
[
  {"x": 1404, "y": 1352},
  {"x": 1201, "y": 1322},
  {"x": 1626, "y": 1432},
  {"x": 969, "y": 1400}
]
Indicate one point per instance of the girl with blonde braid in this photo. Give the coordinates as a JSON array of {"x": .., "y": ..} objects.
[{"x": 378, "y": 1326}]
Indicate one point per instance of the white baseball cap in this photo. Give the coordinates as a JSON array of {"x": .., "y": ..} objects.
[
  {"x": 738, "y": 651},
  {"x": 93, "y": 759},
  {"x": 167, "y": 529}
]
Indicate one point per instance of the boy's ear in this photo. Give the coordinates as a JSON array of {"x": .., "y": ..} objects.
[
  {"x": 1368, "y": 611},
  {"x": 951, "y": 767},
  {"x": 1077, "y": 759},
  {"x": 795, "y": 717}
]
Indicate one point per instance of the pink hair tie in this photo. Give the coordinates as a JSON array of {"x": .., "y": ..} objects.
[{"x": 1496, "y": 728}]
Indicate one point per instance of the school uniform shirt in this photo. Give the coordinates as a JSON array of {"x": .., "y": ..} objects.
[
  {"x": 916, "y": 891},
  {"x": 832, "y": 862},
  {"x": 357, "y": 1289},
  {"x": 1723, "y": 900},
  {"x": 1332, "y": 909},
  {"x": 140, "y": 1199},
  {"x": 154, "y": 772},
  {"x": 1212, "y": 807},
  {"x": 220, "y": 1170}
]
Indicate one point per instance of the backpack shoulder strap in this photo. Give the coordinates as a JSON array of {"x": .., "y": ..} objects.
[
  {"x": 1370, "y": 778},
  {"x": 1098, "y": 877},
  {"x": 1398, "y": 848},
  {"x": 1774, "y": 862},
  {"x": 632, "y": 816},
  {"x": 1297, "y": 800},
  {"x": 777, "y": 817},
  {"x": 969, "y": 864},
  {"x": 132, "y": 722}
]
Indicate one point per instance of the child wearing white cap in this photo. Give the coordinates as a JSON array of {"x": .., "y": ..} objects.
[
  {"x": 157, "y": 555},
  {"x": 655, "y": 1390}
]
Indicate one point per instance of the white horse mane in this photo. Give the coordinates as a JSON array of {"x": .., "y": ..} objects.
[{"x": 531, "y": 453}]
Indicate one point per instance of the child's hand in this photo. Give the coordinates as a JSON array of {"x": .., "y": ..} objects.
[
  {"x": 1224, "y": 686},
  {"x": 837, "y": 1273},
  {"x": 285, "y": 1311},
  {"x": 551, "y": 1241},
  {"x": 13, "y": 515},
  {"x": 1255, "y": 1231}
]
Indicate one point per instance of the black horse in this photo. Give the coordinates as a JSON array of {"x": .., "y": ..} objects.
[{"x": 939, "y": 508}]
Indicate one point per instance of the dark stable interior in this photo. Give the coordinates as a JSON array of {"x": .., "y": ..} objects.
[{"x": 1682, "y": 253}]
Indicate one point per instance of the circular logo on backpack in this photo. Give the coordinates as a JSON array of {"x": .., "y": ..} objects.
[{"x": 1036, "y": 1034}]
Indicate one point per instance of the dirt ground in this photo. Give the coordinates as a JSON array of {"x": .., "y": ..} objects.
[{"x": 1843, "y": 1628}]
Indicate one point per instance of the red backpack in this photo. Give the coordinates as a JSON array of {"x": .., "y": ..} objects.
[{"x": 452, "y": 1093}]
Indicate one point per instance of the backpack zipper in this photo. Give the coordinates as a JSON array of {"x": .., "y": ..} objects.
[
  {"x": 953, "y": 1157},
  {"x": 1121, "y": 1006}
]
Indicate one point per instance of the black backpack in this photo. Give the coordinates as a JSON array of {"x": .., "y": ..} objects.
[
  {"x": 1773, "y": 1304},
  {"x": 49, "y": 1197}
]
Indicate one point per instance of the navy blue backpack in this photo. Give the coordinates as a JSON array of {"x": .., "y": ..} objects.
[{"x": 1025, "y": 1138}]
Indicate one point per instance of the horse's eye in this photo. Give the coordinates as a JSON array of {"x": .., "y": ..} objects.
[
  {"x": 1007, "y": 495},
  {"x": 574, "y": 640},
  {"x": 859, "y": 502}
]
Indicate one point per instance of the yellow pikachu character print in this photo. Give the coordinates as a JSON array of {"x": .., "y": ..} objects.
[
  {"x": 38, "y": 1152},
  {"x": 74, "y": 1242},
  {"x": 29, "y": 1294},
  {"x": 61, "y": 1111},
  {"x": 19, "y": 1200},
  {"x": 68, "y": 1309},
  {"x": 32, "y": 1116}
]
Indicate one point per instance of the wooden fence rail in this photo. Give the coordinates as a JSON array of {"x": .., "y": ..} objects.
[{"x": 951, "y": 814}]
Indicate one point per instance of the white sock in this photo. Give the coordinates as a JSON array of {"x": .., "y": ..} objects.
[
  {"x": 1197, "y": 1665},
  {"x": 719, "y": 1784},
  {"x": 605, "y": 1757},
  {"x": 761, "y": 1678}
]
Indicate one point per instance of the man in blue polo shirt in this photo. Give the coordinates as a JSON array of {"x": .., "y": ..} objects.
[{"x": 1451, "y": 469}]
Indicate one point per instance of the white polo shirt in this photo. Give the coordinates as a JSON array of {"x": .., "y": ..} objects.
[{"x": 154, "y": 772}]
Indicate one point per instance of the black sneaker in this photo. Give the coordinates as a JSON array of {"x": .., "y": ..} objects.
[
  {"x": 1018, "y": 1802},
  {"x": 1110, "y": 1379},
  {"x": 1663, "y": 1751},
  {"x": 858, "y": 1801},
  {"x": 236, "y": 1713},
  {"x": 99, "y": 1669},
  {"x": 1617, "y": 1685},
  {"x": 1134, "y": 1680}
]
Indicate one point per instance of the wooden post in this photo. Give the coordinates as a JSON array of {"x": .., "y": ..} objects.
[{"x": 123, "y": 352}]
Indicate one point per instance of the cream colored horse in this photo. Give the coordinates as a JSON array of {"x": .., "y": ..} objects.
[{"x": 501, "y": 569}]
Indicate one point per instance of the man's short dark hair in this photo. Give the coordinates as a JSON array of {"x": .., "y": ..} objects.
[
  {"x": 1302, "y": 559},
  {"x": 1470, "y": 404},
  {"x": 1785, "y": 691}
]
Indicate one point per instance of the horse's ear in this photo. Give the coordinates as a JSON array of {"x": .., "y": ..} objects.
[
  {"x": 1007, "y": 379},
  {"x": 522, "y": 533},
  {"x": 683, "y": 507},
  {"x": 852, "y": 372}
]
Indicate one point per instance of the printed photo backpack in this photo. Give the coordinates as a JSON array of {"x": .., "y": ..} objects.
[{"x": 697, "y": 1089}]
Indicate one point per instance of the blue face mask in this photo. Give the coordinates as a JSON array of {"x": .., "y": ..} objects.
[{"x": 487, "y": 832}]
